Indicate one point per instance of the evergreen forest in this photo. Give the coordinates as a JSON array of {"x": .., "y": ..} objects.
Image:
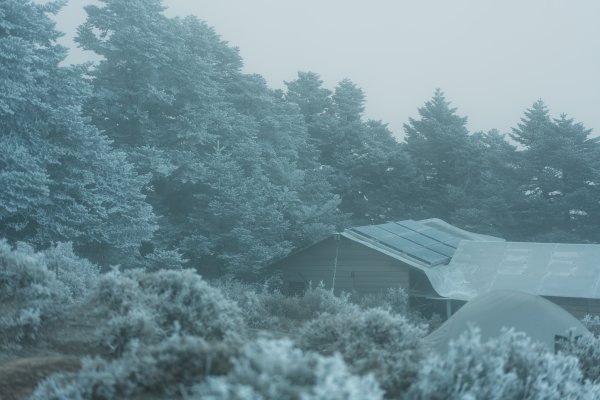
[{"x": 143, "y": 196}]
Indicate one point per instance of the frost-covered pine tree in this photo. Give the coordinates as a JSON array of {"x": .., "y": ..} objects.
[
  {"x": 233, "y": 180},
  {"x": 558, "y": 177},
  {"x": 60, "y": 178}
]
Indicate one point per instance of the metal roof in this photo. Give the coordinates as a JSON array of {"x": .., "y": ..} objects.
[
  {"x": 422, "y": 244},
  {"x": 457, "y": 232},
  {"x": 546, "y": 269}
]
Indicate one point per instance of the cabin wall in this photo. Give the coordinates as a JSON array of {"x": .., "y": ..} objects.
[
  {"x": 577, "y": 306},
  {"x": 359, "y": 268}
]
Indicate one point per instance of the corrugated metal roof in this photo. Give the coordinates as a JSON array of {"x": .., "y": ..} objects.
[
  {"x": 546, "y": 269},
  {"x": 423, "y": 244}
]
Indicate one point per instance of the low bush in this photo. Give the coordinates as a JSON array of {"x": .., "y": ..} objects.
[
  {"x": 77, "y": 274},
  {"x": 191, "y": 368},
  {"x": 276, "y": 370},
  {"x": 587, "y": 350},
  {"x": 592, "y": 323},
  {"x": 371, "y": 341},
  {"x": 251, "y": 298},
  {"x": 509, "y": 367},
  {"x": 150, "y": 306},
  {"x": 163, "y": 370},
  {"x": 395, "y": 300},
  {"x": 266, "y": 307},
  {"x": 36, "y": 286}
]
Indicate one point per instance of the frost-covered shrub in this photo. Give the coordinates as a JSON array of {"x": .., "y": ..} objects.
[
  {"x": 37, "y": 286},
  {"x": 587, "y": 350},
  {"x": 150, "y": 306},
  {"x": 78, "y": 274},
  {"x": 251, "y": 298},
  {"x": 274, "y": 370},
  {"x": 17, "y": 326},
  {"x": 137, "y": 323},
  {"x": 164, "y": 370},
  {"x": 191, "y": 368},
  {"x": 266, "y": 307},
  {"x": 369, "y": 341},
  {"x": 314, "y": 302},
  {"x": 394, "y": 300},
  {"x": 509, "y": 367},
  {"x": 24, "y": 274},
  {"x": 592, "y": 323}
]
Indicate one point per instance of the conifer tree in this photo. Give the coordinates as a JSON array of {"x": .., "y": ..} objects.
[
  {"x": 60, "y": 178},
  {"x": 443, "y": 152},
  {"x": 368, "y": 168},
  {"x": 558, "y": 176}
]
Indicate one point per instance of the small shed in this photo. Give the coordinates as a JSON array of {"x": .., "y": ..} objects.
[{"x": 368, "y": 259}]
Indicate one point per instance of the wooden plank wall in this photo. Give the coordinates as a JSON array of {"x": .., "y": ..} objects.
[{"x": 359, "y": 268}]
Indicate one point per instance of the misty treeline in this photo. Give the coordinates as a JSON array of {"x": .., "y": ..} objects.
[{"x": 165, "y": 153}]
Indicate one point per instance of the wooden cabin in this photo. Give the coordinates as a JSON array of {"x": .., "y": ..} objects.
[
  {"x": 370, "y": 259},
  {"x": 441, "y": 266}
]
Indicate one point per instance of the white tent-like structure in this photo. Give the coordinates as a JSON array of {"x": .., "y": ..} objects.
[
  {"x": 537, "y": 317},
  {"x": 544, "y": 269}
]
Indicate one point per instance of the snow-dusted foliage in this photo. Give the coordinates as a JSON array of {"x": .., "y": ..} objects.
[
  {"x": 266, "y": 307},
  {"x": 190, "y": 368},
  {"x": 152, "y": 306},
  {"x": 78, "y": 274},
  {"x": 37, "y": 286},
  {"x": 592, "y": 323},
  {"x": 510, "y": 367},
  {"x": 587, "y": 350},
  {"x": 276, "y": 370},
  {"x": 392, "y": 299},
  {"x": 371, "y": 341},
  {"x": 163, "y": 370},
  {"x": 60, "y": 179}
]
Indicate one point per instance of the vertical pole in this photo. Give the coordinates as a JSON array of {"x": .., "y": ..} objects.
[{"x": 336, "y": 238}]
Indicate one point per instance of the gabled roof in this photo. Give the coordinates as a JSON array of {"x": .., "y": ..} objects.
[
  {"x": 545, "y": 269},
  {"x": 422, "y": 244}
]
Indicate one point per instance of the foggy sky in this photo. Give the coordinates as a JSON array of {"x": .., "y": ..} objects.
[{"x": 492, "y": 58}]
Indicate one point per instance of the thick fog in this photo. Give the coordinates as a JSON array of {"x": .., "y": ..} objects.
[{"x": 493, "y": 59}]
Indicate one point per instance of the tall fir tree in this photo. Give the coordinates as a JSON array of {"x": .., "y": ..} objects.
[
  {"x": 559, "y": 176},
  {"x": 444, "y": 154},
  {"x": 365, "y": 160},
  {"x": 60, "y": 178},
  {"x": 487, "y": 207}
]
